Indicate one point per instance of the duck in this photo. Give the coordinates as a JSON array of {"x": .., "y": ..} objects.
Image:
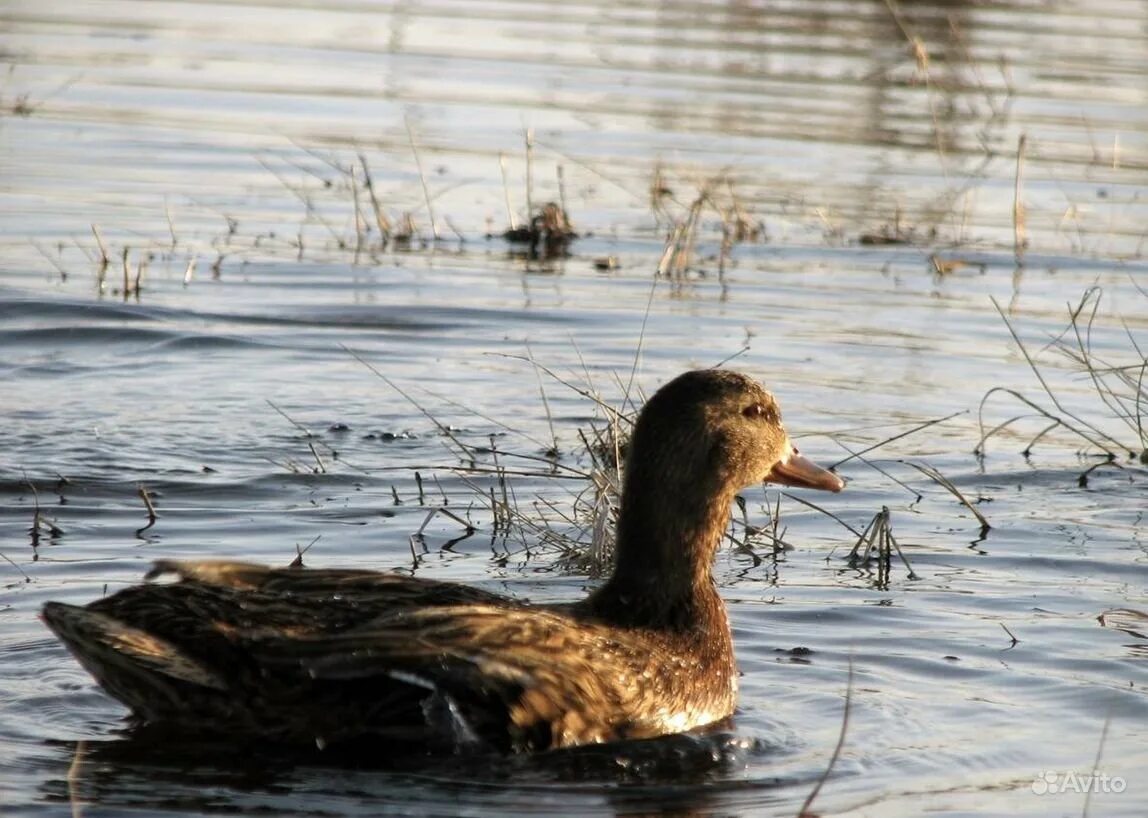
[{"x": 325, "y": 658}]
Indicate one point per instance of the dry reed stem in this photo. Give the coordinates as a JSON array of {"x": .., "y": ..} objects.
[
  {"x": 1018, "y": 212},
  {"x": 467, "y": 451},
  {"x": 170, "y": 223},
  {"x": 422, "y": 180},
  {"x": 934, "y": 475},
  {"x": 312, "y": 438},
  {"x": 311, "y": 212},
  {"x": 1093, "y": 435},
  {"x": 529, "y": 138},
  {"x": 38, "y": 519},
  {"x": 804, "y": 812},
  {"x": 360, "y": 221},
  {"x": 297, "y": 562},
  {"x": 469, "y": 527},
  {"x": 561, "y": 173},
  {"x": 884, "y": 473},
  {"x": 51, "y": 260},
  {"x": 878, "y": 536},
  {"x": 506, "y": 192},
  {"x": 105, "y": 259},
  {"x": 1081, "y": 354},
  {"x": 149, "y": 506},
  {"x": 381, "y": 220},
  {"x": 320, "y": 466},
  {"x": 21, "y": 571},
  {"x": 126, "y": 270},
  {"x": 816, "y": 507},
  {"x": 925, "y": 425},
  {"x": 576, "y": 389},
  {"x": 1096, "y": 761},
  {"x": 553, "y": 451}
]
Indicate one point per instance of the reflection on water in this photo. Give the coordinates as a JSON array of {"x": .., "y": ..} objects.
[
  {"x": 221, "y": 149},
  {"x": 833, "y": 119},
  {"x": 676, "y": 773}
]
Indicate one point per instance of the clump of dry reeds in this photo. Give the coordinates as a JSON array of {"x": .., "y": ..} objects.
[
  {"x": 683, "y": 220},
  {"x": 1121, "y": 388},
  {"x": 548, "y": 231},
  {"x": 876, "y": 546}
]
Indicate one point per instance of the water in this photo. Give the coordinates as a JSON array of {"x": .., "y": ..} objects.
[{"x": 224, "y": 134}]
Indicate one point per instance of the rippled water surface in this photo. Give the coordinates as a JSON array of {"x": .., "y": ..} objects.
[{"x": 281, "y": 379}]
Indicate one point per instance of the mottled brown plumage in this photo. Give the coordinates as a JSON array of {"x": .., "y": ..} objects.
[{"x": 306, "y": 656}]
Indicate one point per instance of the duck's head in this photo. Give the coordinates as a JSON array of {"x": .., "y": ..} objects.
[{"x": 722, "y": 430}]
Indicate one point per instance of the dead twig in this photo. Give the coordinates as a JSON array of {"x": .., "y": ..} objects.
[
  {"x": 934, "y": 475},
  {"x": 145, "y": 495},
  {"x": 804, "y": 812}
]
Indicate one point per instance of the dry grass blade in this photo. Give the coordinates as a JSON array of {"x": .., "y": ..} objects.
[
  {"x": 39, "y": 521},
  {"x": 434, "y": 512},
  {"x": 809, "y": 799},
  {"x": 873, "y": 465},
  {"x": 145, "y": 495},
  {"x": 1018, "y": 211},
  {"x": 1079, "y": 427},
  {"x": 940, "y": 479},
  {"x": 381, "y": 220},
  {"x": 21, "y": 571},
  {"x": 925, "y": 425},
  {"x": 1128, "y": 408},
  {"x": 423, "y": 180},
  {"x": 586, "y": 393},
  {"x": 553, "y": 450},
  {"x": 1096, "y": 761},
  {"x": 466, "y": 451},
  {"x": 297, "y": 562},
  {"x": 829, "y": 514}
]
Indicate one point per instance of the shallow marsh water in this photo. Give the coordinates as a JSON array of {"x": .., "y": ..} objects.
[{"x": 223, "y": 133}]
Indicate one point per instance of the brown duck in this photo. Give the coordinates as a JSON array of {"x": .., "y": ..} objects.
[{"x": 327, "y": 657}]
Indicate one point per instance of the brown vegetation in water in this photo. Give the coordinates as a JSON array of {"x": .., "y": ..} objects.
[{"x": 1120, "y": 387}]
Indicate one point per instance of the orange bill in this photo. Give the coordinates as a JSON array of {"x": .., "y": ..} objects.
[{"x": 795, "y": 470}]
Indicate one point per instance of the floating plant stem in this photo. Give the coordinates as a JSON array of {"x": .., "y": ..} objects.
[{"x": 151, "y": 513}]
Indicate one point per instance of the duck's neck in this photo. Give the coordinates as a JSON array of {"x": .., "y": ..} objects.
[{"x": 663, "y": 562}]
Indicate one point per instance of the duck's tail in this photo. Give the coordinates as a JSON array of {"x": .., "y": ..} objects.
[{"x": 148, "y": 674}]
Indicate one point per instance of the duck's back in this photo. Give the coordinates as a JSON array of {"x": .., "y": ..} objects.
[{"x": 325, "y": 657}]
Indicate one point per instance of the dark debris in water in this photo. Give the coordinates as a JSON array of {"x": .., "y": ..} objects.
[{"x": 548, "y": 235}]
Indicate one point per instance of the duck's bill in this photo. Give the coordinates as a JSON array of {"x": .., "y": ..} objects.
[{"x": 795, "y": 469}]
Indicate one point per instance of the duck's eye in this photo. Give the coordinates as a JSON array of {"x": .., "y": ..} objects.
[{"x": 754, "y": 410}]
